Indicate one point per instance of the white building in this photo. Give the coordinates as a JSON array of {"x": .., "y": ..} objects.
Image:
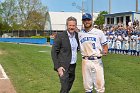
[
  {"x": 123, "y": 17},
  {"x": 57, "y": 20}
]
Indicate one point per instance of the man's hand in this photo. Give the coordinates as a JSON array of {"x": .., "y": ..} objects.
[
  {"x": 60, "y": 71},
  {"x": 105, "y": 50},
  {"x": 104, "y": 53}
]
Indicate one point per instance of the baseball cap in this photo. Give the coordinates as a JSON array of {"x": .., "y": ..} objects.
[{"x": 86, "y": 16}]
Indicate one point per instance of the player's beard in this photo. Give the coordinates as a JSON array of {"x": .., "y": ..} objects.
[{"x": 87, "y": 25}]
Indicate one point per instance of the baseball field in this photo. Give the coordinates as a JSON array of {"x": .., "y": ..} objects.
[{"x": 30, "y": 70}]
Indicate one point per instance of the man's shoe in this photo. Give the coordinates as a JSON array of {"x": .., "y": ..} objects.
[{"x": 89, "y": 92}]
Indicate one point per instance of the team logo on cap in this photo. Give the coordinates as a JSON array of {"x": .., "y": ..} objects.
[{"x": 86, "y": 15}]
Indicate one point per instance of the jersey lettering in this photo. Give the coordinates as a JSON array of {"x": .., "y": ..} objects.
[{"x": 87, "y": 39}]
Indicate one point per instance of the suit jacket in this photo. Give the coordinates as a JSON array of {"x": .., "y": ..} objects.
[{"x": 61, "y": 50}]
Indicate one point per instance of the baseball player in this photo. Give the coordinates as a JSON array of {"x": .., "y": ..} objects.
[
  {"x": 138, "y": 44},
  {"x": 119, "y": 42},
  {"x": 135, "y": 36},
  {"x": 125, "y": 45},
  {"x": 93, "y": 44},
  {"x": 112, "y": 36},
  {"x": 113, "y": 47},
  {"x": 132, "y": 43},
  {"x": 109, "y": 39}
]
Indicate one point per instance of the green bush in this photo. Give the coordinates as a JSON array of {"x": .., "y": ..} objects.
[
  {"x": 48, "y": 37},
  {"x": 37, "y": 37}
]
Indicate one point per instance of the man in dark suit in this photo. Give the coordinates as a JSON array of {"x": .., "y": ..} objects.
[{"x": 64, "y": 54}]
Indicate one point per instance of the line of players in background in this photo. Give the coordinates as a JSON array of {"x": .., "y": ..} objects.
[{"x": 123, "y": 40}]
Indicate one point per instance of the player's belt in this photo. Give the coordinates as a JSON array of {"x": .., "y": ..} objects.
[{"x": 91, "y": 57}]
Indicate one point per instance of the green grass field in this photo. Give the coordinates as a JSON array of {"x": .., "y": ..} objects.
[{"x": 31, "y": 71}]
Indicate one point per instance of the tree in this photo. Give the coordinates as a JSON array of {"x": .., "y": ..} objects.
[
  {"x": 31, "y": 11},
  {"x": 100, "y": 19},
  {"x": 0, "y": 16},
  {"x": 9, "y": 11},
  {"x": 18, "y": 14},
  {"x": 35, "y": 20}
]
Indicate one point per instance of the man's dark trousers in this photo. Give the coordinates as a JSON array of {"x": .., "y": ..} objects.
[{"x": 68, "y": 79}]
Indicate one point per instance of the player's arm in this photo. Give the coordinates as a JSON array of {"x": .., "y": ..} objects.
[{"x": 104, "y": 44}]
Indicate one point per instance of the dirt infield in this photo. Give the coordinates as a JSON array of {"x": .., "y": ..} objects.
[
  {"x": 0, "y": 52},
  {"x": 5, "y": 84}
]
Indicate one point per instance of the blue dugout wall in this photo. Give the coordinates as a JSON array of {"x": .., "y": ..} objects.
[{"x": 25, "y": 40}]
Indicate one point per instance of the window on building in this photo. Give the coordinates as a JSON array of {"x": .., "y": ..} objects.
[
  {"x": 108, "y": 20},
  {"x": 117, "y": 20},
  {"x": 112, "y": 20},
  {"x": 127, "y": 20},
  {"x": 120, "y": 19}
]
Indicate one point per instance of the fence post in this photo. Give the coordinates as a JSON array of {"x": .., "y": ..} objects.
[
  {"x": 18, "y": 33},
  {"x": 36, "y": 32}
]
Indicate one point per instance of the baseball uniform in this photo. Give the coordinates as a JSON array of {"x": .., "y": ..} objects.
[{"x": 92, "y": 67}]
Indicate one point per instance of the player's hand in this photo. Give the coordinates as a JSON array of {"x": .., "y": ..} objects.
[
  {"x": 104, "y": 53},
  {"x": 60, "y": 71}
]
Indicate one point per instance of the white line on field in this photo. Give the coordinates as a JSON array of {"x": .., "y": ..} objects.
[
  {"x": 3, "y": 73},
  {"x": 42, "y": 51}
]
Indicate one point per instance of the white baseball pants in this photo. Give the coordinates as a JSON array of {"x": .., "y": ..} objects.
[{"x": 93, "y": 74}]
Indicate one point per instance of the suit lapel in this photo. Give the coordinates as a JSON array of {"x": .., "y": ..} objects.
[
  {"x": 67, "y": 38},
  {"x": 68, "y": 41},
  {"x": 76, "y": 36}
]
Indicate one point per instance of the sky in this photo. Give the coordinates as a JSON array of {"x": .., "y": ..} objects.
[{"x": 98, "y": 5}]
